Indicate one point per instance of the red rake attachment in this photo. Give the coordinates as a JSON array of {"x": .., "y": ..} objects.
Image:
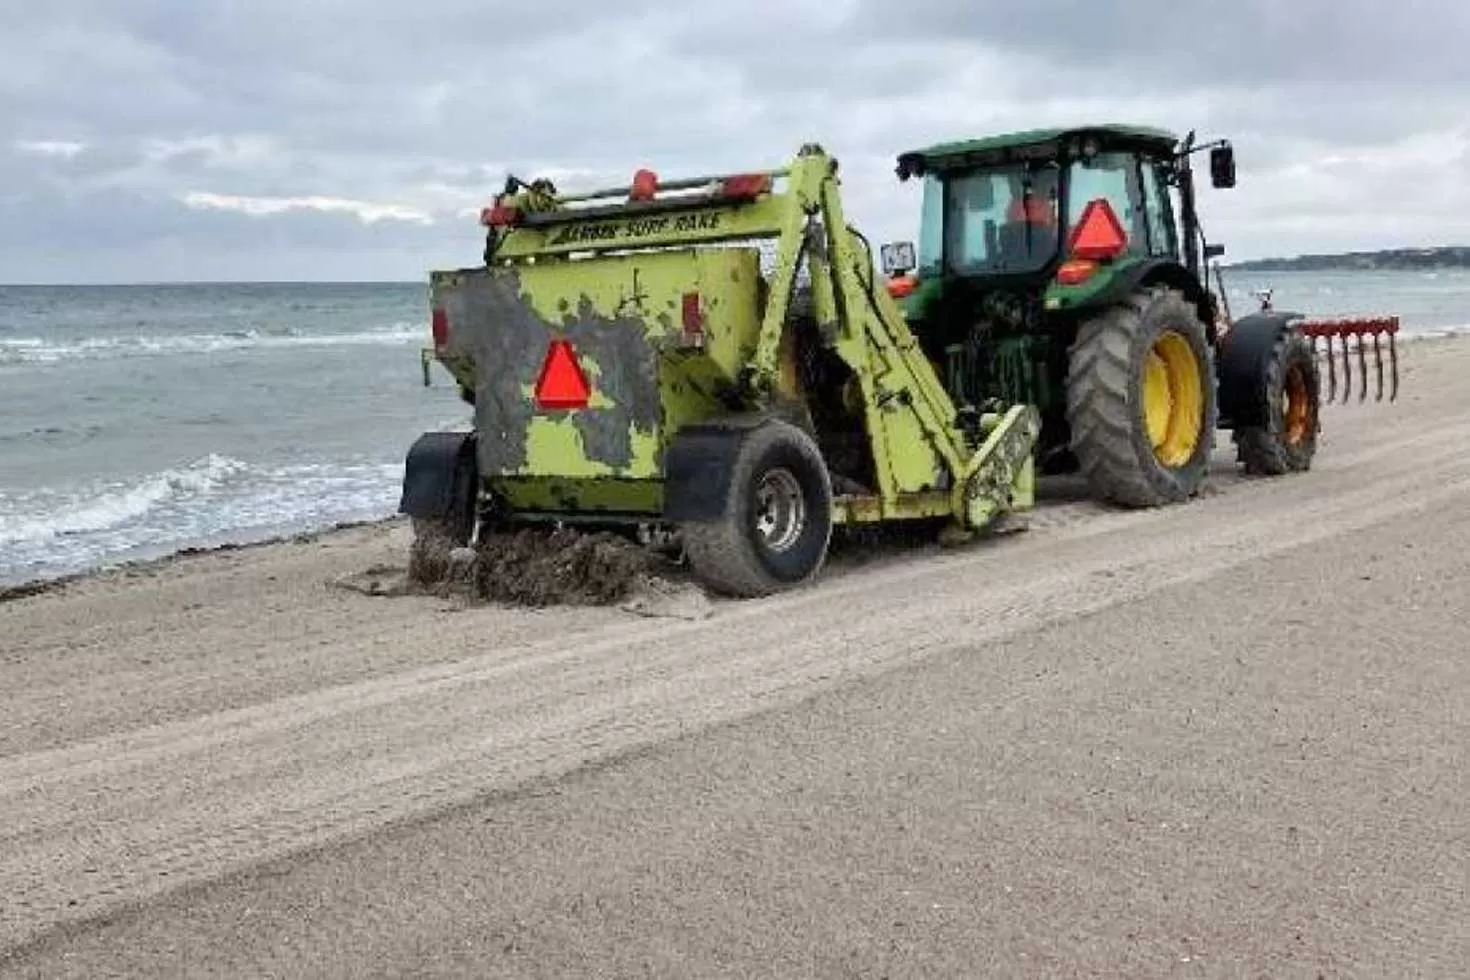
[{"x": 1359, "y": 330}]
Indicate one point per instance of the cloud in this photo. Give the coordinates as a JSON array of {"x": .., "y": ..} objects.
[
  {"x": 250, "y": 140},
  {"x": 51, "y": 148},
  {"x": 365, "y": 211}
]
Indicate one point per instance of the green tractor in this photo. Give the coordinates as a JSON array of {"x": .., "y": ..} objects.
[{"x": 1065, "y": 269}]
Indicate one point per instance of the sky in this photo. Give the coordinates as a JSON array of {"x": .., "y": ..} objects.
[{"x": 176, "y": 140}]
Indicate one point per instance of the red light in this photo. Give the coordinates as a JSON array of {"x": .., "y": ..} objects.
[
  {"x": 745, "y": 187},
  {"x": 562, "y": 383},
  {"x": 499, "y": 216},
  {"x": 693, "y": 320},
  {"x": 902, "y": 286},
  {"x": 440, "y": 327},
  {"x": 1074, "y": 272},
  {"x": 1098, "y": 234},
  {"x": 645, "y": 186}
]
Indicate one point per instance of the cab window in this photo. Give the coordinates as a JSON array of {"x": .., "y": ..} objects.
[
  {"x": 995, "y": 221},
  {"x": 1160, "y": 210},
  {"x": 1114, "y": 178}
]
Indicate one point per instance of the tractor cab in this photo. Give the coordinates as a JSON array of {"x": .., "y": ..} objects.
[
  {"x": 1027, "y": 238},
  {"x": 1052, "y": 216}
]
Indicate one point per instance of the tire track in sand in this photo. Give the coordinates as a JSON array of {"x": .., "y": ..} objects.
[{"x": 96, "y": 825}]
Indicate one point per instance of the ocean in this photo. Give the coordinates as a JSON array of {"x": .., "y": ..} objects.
[{"x": 138, "y": 421}]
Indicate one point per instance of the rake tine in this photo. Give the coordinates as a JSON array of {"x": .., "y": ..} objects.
[
  {"x": 1393, "y": 357},
  {"x": 1363, "y": 365},
  {"x": 1347, "y": 371},
  {"x": 1378, "y": 363},
  {"x": 1331, "y": 369}
]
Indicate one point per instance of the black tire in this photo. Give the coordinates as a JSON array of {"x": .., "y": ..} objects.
[
  {"x": 1288, "y": 441},
  {"x": 731, "y": 554},
  {"x": 1110, "y": 434}
]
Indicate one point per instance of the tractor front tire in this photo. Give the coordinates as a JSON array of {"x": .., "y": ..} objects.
[
  {"x": 775, "y": 524},
  {"x": 1288, "y": 440},
  {"x": 1141, "y": 400}
]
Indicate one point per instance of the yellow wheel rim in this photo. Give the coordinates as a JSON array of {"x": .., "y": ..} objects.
[{"x": 1173, "y": 399}]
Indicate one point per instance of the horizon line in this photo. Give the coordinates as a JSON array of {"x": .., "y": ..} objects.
[{"x": 214, "y": 282}]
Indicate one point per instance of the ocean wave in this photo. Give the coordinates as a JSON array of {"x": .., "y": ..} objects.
[
  {"x": 40, "y": 516},
  {"x": 216, "y": 499},
  {"x": 39, "y": 350}
]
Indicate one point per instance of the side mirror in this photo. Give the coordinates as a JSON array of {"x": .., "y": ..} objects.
[
  {"x": 898, "y": 258},
  {"x": 1222, "y": 166},
  {"x": 1214, "y": 251}
]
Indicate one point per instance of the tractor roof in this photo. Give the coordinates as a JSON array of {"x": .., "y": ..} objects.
[{"x": 1033, "y": 144}]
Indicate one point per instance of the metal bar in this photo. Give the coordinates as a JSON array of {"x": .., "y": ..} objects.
[
  {"x": 764, "y": 218},
  {"x": 1363, "y": 369},
  {"x": 1394, "y": 360},
  {"x": 1378, "y": 363},
  {"x": 677, "y": 184},
  {"x": 869, "y": 508},
  {"x": 1331, "y": 369}
]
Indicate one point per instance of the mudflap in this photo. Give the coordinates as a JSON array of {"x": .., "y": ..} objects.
[
  {"x": 1242, "y": 360},
  {"x": 699, "y": 464},
  {"x": 441, "y": 482}
]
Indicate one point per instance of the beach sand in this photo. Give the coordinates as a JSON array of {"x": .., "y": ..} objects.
[{"x": 1225, "y": 738}]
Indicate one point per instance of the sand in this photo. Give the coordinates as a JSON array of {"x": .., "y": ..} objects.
[{"x": 1223, "y": 739}]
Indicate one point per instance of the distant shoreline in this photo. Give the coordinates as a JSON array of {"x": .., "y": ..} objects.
[
  {"x": 1440, "y": 259},
  {"x": 167, "y": 283}
]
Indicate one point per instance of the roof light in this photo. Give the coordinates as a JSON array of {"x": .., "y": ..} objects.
[
  {"x": 500, "y": 216},
  {"x": 1098, "y": 235},
  {"x": 645, "y": 186},
  {"x": 562, "y": 383},
  {"x": 745, "y": 187}
]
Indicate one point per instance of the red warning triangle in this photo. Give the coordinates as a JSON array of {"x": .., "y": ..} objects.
[
  {"x": 1099, "y": 234},
  {"x": 562, "y": 383}
]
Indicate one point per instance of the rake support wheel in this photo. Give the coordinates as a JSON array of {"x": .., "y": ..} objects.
[{"x": 1288, "y": 440}]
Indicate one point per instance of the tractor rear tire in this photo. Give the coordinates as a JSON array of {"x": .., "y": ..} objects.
[
  {"x": 776, "y": 521},
  {"x": 1288, "y": 440},
  {"x": 1142, "y": 402}
]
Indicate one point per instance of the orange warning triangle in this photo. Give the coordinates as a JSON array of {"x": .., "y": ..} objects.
[
  {"x": 1099, "y": 234},
  {"x": 562, "y": 383}
]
